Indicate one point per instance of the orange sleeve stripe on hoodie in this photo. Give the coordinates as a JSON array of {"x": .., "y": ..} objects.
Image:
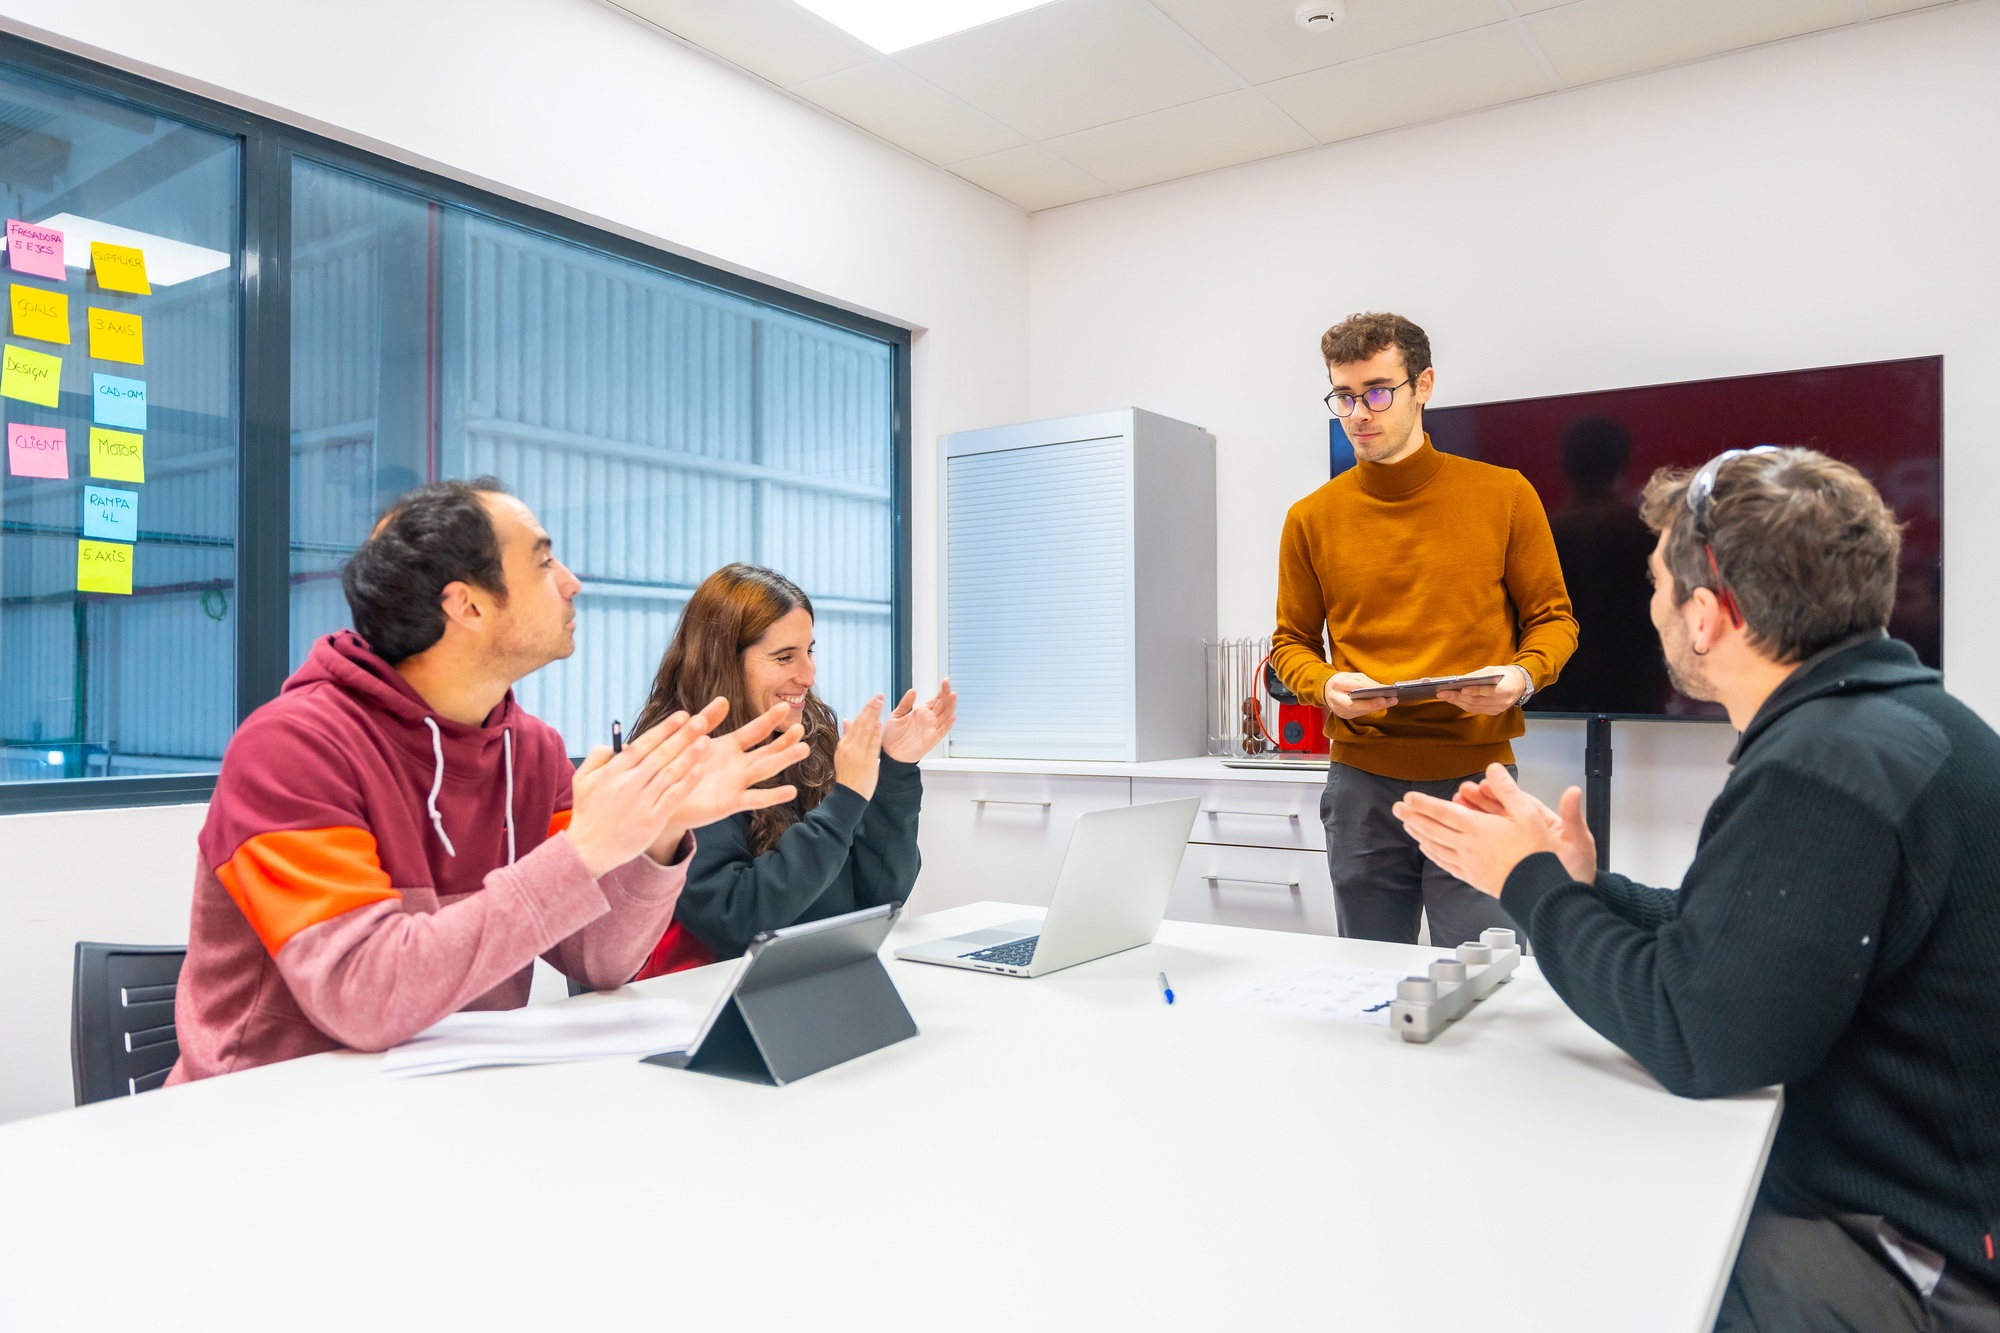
[{"x": 290, "y": 879}]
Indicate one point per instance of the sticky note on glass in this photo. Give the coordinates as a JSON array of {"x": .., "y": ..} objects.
[
  {"x": 116, "y": 401},
  {"x": 37, "y": 451},
  {"x": 31, "y": 376},
  {"x": 110, "y": 515},
  {"x": 103, "y": 567},
  {"x": 119, "y": 268},
  {"x": 39, "y": 314},
  {"x": 117, "y": 455},
  {"x": 36, "y": 250},
  {"x": 117, "y": 335}
]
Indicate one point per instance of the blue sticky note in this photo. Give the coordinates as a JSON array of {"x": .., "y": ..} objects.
[
  {"x": 110, "y": 515},
  {"x": 116, "y": 401}
]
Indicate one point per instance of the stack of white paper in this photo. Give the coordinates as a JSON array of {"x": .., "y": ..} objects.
[{"x": 546, "y": 1034}]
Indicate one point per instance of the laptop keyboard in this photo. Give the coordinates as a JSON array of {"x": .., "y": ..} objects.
[{"x": 1014, "y": 953}]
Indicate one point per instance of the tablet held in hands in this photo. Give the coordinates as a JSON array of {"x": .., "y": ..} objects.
[{"x": 1415, "y": 691}]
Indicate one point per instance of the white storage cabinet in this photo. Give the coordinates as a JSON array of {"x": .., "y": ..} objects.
[{"x": 1079, "y": 584}]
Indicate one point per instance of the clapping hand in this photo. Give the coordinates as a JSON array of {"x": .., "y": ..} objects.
[
  {"x": 673, "y": 777},
  {"x": 1491, "y": 828},
  {"x": 914, "y": 729},
  {"x": 857, "y": 760},
  {"x": 726, "y": 781}
]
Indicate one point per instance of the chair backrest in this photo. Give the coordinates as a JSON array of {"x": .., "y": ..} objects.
[{"x": 121, "y": 1022}]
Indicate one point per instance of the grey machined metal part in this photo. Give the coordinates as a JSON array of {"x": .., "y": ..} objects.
[{"x": 1426, "y": 1006}]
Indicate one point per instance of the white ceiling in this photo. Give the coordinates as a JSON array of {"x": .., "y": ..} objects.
[{"x": 1082, "y": 98}]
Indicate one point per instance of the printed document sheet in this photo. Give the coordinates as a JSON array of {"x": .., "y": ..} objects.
[{"x": 1323, "y": 990}]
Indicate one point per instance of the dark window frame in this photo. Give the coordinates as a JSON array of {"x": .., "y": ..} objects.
[{"x": 263, "y": 472}]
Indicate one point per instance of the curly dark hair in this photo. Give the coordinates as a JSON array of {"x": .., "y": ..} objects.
[
  {"x": 729, "y": 612},
  {"x": 1359, "y": 337},
  {"x": 427, "y": 539}
]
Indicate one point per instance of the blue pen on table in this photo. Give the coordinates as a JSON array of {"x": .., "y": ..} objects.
[{"x": 1166, "y": 988}]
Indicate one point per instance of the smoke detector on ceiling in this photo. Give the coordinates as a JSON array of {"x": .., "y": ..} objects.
[{"x": 1319, "y": 15}]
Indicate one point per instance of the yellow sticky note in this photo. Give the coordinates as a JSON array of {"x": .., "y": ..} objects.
[
  {"x": 32, "y": 377},
  {"x": 120, "y": 268},
  {"x": 117, "y": 335},
  {"x": 117, "y": 455},
  {"x": 103, "y": 567},
  {"x": 40, "y": 314}
]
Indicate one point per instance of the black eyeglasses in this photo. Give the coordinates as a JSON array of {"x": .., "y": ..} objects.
[
  {"x": 1699, "y": 492},
  {"x": 1377, "y": 398}
]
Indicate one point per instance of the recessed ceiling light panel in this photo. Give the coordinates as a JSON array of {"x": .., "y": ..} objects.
[{"x": 893, "y": 25}]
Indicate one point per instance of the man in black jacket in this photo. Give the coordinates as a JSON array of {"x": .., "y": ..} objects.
[{"x": 1839, "y": 929}]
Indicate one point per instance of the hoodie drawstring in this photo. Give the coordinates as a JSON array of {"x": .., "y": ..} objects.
[
  {"x": 507, "y": 743},
  {"x": 437, "y": 785}
]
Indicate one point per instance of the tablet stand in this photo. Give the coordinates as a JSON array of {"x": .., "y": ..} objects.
[{"x": 809, "y": 998}]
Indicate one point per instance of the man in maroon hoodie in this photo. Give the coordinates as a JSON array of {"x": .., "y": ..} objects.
[{"x": 393, "y": 840}]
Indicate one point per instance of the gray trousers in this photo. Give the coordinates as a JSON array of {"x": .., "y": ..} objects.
[
  {"x": 1383, "y": 885},
  {"x": 1807, "y": 1274}
]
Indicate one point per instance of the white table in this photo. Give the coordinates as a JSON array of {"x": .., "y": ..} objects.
[{"x": 1068, "y": 1152}]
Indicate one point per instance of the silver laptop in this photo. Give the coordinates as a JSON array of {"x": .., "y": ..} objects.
[{"x": 1110, "y": 896}]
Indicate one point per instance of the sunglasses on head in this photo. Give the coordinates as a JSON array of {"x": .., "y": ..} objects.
[{"x": 1699, "y": 492}]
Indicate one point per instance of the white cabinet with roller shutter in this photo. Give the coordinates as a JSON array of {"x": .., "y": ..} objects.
[{"x": 1079, "y": 584}]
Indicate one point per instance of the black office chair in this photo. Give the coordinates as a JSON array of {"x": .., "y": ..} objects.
[{"x": 121, "y": 1018}]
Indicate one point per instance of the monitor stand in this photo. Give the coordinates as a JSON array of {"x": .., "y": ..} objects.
[{"x": 1597, "y": 786}]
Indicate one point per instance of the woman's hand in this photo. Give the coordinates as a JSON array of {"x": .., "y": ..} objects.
[
  {"x": 914, "y": 729},
  {"x": 857, "y": 760}
]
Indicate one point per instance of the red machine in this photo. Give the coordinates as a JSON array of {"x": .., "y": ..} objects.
[{"x": 1301, "y": 726}]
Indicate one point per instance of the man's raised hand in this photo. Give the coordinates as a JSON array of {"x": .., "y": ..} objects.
[{"x": 626, "y": 803}]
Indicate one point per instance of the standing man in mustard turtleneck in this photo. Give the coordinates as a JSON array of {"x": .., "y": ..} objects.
[{"x": 1411, "y": 563}]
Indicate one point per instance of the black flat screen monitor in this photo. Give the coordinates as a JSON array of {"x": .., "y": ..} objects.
[{"x": 1588, "y": 456}]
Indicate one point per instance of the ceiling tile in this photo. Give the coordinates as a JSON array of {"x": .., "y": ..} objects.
[
  {"x": 773, "y": 39},
  {"x": 1880, "y": 9},
  {"x": 1031, "y": 176},
  {"x": 1602, "y": 39},
  {"x": 1069, "y": 66},
  {"x": 1484, "y": 67},
  {"x": 894, "y": 103},
  {"x": 1537, "y": 6},
  {"x": 1262, "y": 42},
  {"x": 1183, "y": 140}
]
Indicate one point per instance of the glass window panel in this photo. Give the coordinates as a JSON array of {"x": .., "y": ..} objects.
[
  {"x": 659, "y": 429},
  {"x": 113, "y": 684}
]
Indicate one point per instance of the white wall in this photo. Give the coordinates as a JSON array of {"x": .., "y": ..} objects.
[
  {"x": 1827, "y": 200},
  {"x": 565, "y": 101}
]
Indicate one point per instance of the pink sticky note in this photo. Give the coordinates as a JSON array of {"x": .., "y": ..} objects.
[
  {"x": 36, "y": 250},
  {"x": 37, "y": 451}
]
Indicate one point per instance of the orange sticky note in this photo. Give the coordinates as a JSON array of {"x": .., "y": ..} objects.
[
  {"x": 117, "y": 335},
  {"x": 120, "y": 268},
  {"x": 103, "y": 567},
  {"x": 40, "y": 314}
]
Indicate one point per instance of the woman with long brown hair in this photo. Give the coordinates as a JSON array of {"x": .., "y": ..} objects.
[{"x": 848, "y": 840}]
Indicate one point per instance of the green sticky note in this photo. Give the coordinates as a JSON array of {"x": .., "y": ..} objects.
[{"x": 32, "y": 377}]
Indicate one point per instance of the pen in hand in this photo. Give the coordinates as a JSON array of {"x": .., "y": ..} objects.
[
  {"x": 617, "y": 736},
  {"x": 1166, "y": 989}
]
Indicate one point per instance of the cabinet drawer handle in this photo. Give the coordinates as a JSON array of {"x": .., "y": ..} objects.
[
  {"x": 1252, "y": 814},
  {"x": 1217, "y": 881},
  {"x": 987, "y": 800}
]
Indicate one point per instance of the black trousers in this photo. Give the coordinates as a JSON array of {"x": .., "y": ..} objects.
[
  {"x": 1383, "y": 885},
  {"x": 1822, "y": 1274}
]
